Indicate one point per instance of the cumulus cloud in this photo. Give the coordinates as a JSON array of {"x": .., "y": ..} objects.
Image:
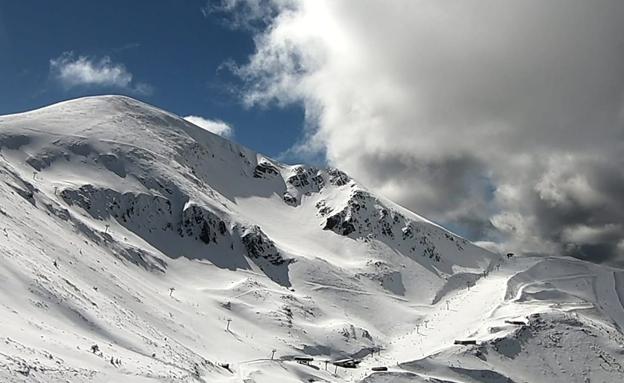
[
  {"x": 214, "y": 126},
  {"x": 502, "y": 118},
  {"x": 78, "y": 71}
]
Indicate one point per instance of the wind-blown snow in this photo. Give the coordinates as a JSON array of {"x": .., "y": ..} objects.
[{"x": 189, "y": 258}]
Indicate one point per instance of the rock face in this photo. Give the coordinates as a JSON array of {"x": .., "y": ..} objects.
[
  {"x": 204, "y": 225},
  {"x": 366, "y": 217},
  {"x": 265, "y": 170},
  {"x": 142, "y": 210},
  {"x": 150, "y": 216},
  {"x": 258, "y": 245}
]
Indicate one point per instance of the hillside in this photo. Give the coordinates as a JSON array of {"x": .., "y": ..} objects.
[{"x": 188, "y": 258}]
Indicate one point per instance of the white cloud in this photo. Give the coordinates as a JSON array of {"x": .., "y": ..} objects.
[
  {"x": 72, "y": 71},
  {"x": 591, "y": 234},
  {"x": 214, "y": 126},
  {"x": 501, "y": 117}
]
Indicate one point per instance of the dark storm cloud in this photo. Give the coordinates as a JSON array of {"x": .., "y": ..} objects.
[
  {"x": 461, "y": 177},
  {"x": 586, "y": 219}
]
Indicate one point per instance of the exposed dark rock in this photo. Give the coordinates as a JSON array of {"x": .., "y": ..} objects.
[
  {"x": 289, "y": 199},
  {"x": 309, "y": 179},
  {"x": 407, "y": 232},
  {"x": 265, "y": 170},
  {"x": 202, "y": 223},
  {"x": 323, "y": 209},
  {"x": 337, "y": 224},
  {"x": 338, "y": 178},
  {"x": 222, "y": 228},
  {"x": 27, "y": 192},
  {"x": 258, "y": 245},
  {"x": 365, "y": 217}
]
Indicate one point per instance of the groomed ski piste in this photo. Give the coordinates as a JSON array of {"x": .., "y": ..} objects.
[{"x": 137, "y": 247}]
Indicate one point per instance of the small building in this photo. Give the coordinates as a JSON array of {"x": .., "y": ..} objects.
[
  {"x": 516, "y": 322},
  {"x": 347, "y": 363},
  {"x": 465, "y": 342},
  {"x": 303, "y": 359}
]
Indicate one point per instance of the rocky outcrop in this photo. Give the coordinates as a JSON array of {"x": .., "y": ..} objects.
[
  {"x": 265, "y": 170},
  {"x": 203, "y": 225},
  {"x": 289, "y": 199},
  {"x": 263, "y": 252},
  {"x": 365, "y": 217},
  {"x": 337, "y": 178},
  {"x": 307, "y": 179},
  {"x": 340, "y": 224},
  {"x": 144, "y": 211},
  {"x": 259, "y": 246},
  {"x": 151, "y": 216}
]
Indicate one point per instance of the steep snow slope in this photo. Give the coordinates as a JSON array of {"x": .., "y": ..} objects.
[{"x": 178, "y": 252}]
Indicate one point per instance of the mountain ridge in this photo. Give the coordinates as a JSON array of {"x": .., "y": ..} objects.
[{"x": 178, "y": 252}]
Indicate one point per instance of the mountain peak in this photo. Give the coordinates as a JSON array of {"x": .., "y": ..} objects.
[{"x": 120, "y": 145}]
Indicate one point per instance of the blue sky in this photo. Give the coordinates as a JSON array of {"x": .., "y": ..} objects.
[{"x": 172, "y": 50}]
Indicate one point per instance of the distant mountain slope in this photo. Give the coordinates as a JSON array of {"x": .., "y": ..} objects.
[{"x": 129, "y": 228}]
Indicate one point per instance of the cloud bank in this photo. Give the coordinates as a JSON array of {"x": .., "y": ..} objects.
[
  {"x": 214, "y": 126},
  {"x": 82, "y": 71},
  {"x": 502, "y": 119}
]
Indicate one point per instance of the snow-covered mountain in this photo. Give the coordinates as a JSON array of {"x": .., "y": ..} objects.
[{"x": 137, "y": 247}]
